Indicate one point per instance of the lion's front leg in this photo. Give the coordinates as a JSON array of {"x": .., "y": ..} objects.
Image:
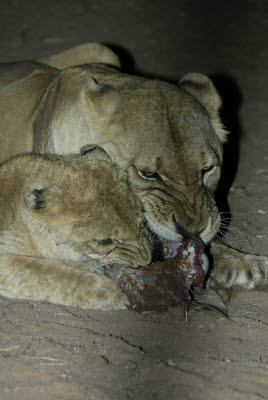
[
  {"x": 234, "y": 268},
  {"x": 35, "y": 278}
]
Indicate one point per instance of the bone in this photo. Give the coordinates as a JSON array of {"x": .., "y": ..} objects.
[{"x": 169, "y": 282}]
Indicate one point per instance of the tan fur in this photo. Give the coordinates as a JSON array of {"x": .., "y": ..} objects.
[
  {"x": 83, "y": 54},
  {"x": 146, "y": 126},
  {"x": 167, "y": 138},
  {"x": 62, "y": 221}
]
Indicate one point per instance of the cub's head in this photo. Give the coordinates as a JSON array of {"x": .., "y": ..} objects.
[{"x": 73, "y": 208}]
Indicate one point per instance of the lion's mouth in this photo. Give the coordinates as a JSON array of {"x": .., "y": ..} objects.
[
  {"x": 192, "y": 250},
  {"x": 170, "y": 248},
  {"x": 164, "y": 249}
]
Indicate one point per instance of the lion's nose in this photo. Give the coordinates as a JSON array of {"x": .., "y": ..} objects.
[{"x": 186, "y": 233}]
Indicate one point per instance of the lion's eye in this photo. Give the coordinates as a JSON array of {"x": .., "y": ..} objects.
[
  {"x": 106, "y": 241},
  {"x": 208, "y": 171},
  {"x": 208, "y": 168},
  {"x": 153, "y": 176}
]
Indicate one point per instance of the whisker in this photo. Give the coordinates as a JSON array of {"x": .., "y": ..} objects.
[
  {"x": 232, "y": 212},
  {"x": 221, "y": 240},
  {"x": 232, "y": 218},
  {"x": 236, "y": 231},
  {"x": 233, "y": 215}
]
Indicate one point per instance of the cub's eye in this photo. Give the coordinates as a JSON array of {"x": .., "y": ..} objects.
[
  {"x": 153, "y": 176},
  {"x": 106, "y": 241}
]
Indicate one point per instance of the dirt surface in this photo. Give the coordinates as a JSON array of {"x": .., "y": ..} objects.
[{"x": 54, "y": 352}]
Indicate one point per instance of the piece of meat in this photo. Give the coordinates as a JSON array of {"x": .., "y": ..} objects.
[{"x": 167, "y": 282}]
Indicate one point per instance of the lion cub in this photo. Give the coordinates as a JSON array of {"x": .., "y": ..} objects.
[{"x": 62, "y": 218}]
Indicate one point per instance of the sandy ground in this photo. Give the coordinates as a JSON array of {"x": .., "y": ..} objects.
[{"x": 54, "y": 352}]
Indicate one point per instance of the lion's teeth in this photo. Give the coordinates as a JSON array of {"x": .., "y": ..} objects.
[
  {"x": 166, "y": 251},
  {"x": 205, "y": 262}
]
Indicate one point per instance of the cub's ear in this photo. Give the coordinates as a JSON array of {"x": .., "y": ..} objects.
[
  {"x": 88, "y": 148},
  {"x": 93, "y": 151},
  {"x": 35, "y": 199},
  {"x": 202, "y": 88},
  {"x": 47, "y": 202}
]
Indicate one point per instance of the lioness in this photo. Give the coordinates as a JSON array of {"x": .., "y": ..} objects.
[
  {"x": 168, "y": 138},
  {"x": 57, "y": 229}
]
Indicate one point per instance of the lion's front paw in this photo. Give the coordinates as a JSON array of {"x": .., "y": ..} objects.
[{"x": 234, "y": 268}]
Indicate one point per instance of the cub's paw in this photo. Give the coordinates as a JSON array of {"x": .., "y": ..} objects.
[
  {"x": 116, "y": 300},
  {"x": 101, "y": 293}
]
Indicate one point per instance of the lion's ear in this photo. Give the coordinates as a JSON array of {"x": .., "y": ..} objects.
[
  {"x": 202, "y": 88},
  {"x": 102, "y": 100},
  {"x": 100, "y": 105}
]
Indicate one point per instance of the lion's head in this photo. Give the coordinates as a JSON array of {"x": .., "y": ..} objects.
[
  {"x": 167, "y": 137},
  {"x": 72, "y": 208}
]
